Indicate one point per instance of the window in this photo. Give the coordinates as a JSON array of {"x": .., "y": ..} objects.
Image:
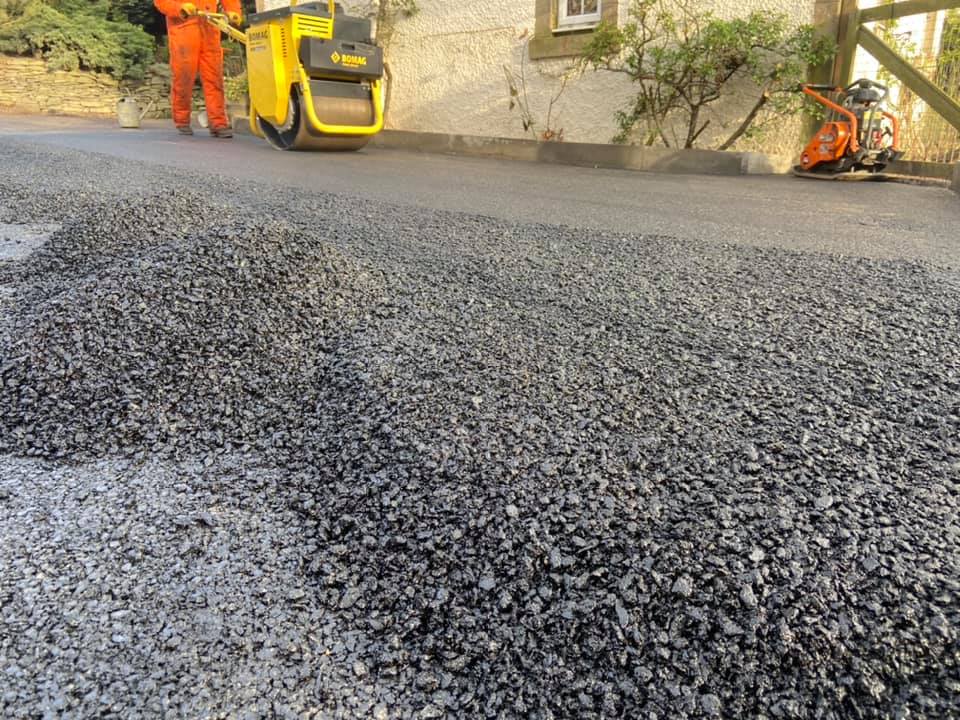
[
  {"x": 577, "y": 14},
  {"x": 563, "y": 27}
]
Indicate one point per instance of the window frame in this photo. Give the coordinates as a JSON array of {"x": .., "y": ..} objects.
[
  {"x": 584, "y": 21},
  {"x": 551, "y": 41}
]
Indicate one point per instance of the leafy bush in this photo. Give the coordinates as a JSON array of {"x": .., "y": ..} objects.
[
  {"x": 72, "y": 34},
  {"x": 138, "y": 12},
  {"x": 235, "y": 87},
  {"x": 948, "y": 61},
  {"x": 684, "y": 60}
]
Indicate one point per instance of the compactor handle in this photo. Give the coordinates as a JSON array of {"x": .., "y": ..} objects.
[
  {"x": 331, "y": 6},
  {"x": 820, "y": 88},
  {"x": 220, "y": 21},
  {"x": 815, "y": 91},
  {"x": 866, "y": 83}
]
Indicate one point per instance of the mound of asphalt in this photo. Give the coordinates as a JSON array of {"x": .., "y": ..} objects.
[
  {"x": 112, "y": 232},
  {"x": 646, "y": 478},
  {"x": 137, "y": 331}
]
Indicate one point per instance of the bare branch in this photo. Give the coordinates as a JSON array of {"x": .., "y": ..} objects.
[{"x": 747, "y": 122}]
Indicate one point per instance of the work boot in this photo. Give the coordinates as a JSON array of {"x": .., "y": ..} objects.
[
  {"x": 224, "y": 132},
  {"x": 184, "y": 129}
]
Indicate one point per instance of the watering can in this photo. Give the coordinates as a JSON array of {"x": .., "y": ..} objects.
[{"x": 129, "y": 114}]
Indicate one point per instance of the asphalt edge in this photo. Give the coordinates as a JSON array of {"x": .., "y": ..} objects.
[{"x": 595, "y": 155}]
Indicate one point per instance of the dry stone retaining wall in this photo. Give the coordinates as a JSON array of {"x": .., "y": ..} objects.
[{"x": 28, "y": 85}]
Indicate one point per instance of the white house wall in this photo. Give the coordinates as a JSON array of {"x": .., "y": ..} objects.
[
  {"x": 448, "y": 69},
  {"x": 448, "y": 62}
]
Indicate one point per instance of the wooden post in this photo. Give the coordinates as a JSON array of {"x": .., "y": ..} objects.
[
  {"x": 826, "y": 19},
  {"x": 847, "y": 52},
  {"x": 827, "y": 15},
  {"x": 894, "y": 10}
]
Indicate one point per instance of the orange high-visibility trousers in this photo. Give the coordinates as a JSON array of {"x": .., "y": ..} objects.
[{"x": 195, "y": 46}]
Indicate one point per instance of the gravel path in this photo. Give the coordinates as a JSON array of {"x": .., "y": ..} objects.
[{"x": 349, "y": 459}]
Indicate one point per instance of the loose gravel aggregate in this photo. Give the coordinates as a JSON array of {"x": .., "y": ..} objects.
[{"x": 276, "y": 454}]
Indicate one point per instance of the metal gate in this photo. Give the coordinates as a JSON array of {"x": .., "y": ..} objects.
[{"x": 914, "y": 47}]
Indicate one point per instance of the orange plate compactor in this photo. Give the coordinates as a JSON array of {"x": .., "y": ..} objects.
[{"x": 858, "y": 140}]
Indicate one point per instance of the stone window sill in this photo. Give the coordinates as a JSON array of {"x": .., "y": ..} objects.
[
  {"x": 558, "y": 45},
  {"x": 565, "y": 29}
]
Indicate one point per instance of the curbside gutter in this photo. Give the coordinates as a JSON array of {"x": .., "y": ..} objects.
[{"x": 921, "y": 169}]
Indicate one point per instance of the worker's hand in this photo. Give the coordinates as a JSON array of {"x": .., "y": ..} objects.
[
  {"x": 236, "y": 19},
  {"x": 188, "y": 10}
]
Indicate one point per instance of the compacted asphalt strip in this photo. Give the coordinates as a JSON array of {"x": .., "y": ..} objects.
[{"x": 881, "y": 220}]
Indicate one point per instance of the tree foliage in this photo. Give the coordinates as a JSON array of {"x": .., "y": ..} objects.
[
  {"x": 948, "y": 61},
  {"x": 138, "y": 12},
  {"x": 72, "y": 34},
  {"x": 683, "y": 61}
]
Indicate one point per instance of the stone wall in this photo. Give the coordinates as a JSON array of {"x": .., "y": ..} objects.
[{"x": 27, "y": 85}]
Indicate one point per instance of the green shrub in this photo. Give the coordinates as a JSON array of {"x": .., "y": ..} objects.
[
  {"x": 235, "y": 87},
  {"x": 72, "y": 34},
  {"x": 682, "y": 61}
]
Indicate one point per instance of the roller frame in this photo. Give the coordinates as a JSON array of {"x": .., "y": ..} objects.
[{"x": 312, "y": 133}]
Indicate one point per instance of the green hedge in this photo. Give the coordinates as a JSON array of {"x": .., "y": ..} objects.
[{"x": 72, "y": 34}]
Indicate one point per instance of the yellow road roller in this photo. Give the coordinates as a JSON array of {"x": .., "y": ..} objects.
[{"x": 314, "y": 74}]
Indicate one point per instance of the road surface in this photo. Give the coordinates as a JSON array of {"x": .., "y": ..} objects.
[{"x": 877, "y": 220}]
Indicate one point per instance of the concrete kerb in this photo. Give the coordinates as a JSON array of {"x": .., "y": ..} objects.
[
  {"x": 619, "y": 157},
  {"x": 626, "y": 157},
  {"x": 921, "y": 169}
]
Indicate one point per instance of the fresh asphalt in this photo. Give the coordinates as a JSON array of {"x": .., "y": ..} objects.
[
  {"x": 878, "y": 220},
  {"x": 351, "y": 458}
]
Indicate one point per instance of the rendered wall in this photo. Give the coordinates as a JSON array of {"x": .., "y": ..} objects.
[
  {"x": 448, "y": 72},
  {"x": 449, "y": 77}
]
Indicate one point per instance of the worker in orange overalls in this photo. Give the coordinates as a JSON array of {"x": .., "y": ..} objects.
[{"x": 195, "y": 45}]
